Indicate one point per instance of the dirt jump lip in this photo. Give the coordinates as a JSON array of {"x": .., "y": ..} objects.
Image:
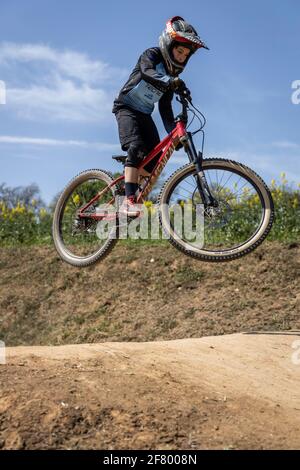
[{"x": 257, "y": 360}]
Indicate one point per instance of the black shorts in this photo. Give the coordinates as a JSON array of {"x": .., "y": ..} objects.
[{"x": 139, "y": 128}]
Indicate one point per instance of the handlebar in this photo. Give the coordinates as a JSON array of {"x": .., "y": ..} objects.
[
  {"x": 184, "y": 98},
  {"x": 184, "y": 93},
  {"x": 187, "y": 94}
]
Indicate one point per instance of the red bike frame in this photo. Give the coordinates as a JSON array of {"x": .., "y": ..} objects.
[{"x": 167, "y": 145}]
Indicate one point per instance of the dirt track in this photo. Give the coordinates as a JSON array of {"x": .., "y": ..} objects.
[
  {"x": 235, "y": 391},
  {"x": 133, "y": 387}
]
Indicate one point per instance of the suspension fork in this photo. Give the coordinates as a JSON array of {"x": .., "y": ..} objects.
[{"x": 196, "y": 159}]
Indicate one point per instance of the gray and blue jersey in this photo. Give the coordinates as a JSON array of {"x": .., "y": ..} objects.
[
  {"x": 144, "y": 95},
  {"x": 148, "y": 84}
]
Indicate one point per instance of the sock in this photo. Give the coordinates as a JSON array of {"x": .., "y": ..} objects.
[{"x": 130, "y": 189}]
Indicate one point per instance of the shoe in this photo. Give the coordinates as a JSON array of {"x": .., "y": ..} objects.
[{"x": 129, "y": 207}]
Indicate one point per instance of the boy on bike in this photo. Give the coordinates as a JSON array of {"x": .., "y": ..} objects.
[{"x": 154, "y": 79}]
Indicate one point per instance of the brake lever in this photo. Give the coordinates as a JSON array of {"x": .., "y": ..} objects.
[
  {"x": 184, "y": 95},
  {"x": 187, "y": 95}
]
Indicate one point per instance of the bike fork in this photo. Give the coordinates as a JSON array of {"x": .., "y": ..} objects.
[{"x": 202, "y": 185}]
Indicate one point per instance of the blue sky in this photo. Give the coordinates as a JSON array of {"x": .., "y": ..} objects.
[{"x": 63, "y": 62}]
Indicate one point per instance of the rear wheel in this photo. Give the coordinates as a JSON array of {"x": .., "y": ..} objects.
[
  {"x": 82, "y": 241},
  {"x": 238, "y": 225}
]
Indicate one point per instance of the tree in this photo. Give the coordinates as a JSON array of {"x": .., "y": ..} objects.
[{"x": 26, "y": 195}]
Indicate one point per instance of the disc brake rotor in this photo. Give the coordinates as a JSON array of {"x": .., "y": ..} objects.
[{"x": 215, "y": 216}]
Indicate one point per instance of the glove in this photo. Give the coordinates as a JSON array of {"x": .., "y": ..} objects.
[{"x": 176, "y": 84}]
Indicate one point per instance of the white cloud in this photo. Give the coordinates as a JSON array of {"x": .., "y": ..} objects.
[
  {"x": 59, "y": 85},
  {"x": 69, "y": 63},
  {"x": 101, "y": 146},
  {"x": 64, "y": 102}
]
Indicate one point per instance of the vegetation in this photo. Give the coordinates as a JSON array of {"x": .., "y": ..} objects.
[{"x": 25, "y": 219}]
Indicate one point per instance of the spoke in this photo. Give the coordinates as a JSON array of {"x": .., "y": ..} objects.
[
  {"x": 222, "y": 177},
  {"x": 228, "y": 179},
  {"x": 223, "y": 229},
  {"x": 84, "y": 241},
  {"x": 218, "y": 191},
  {"x": 186, "y": 190},
  {"x": 239, "y": 190},
  {"x": 188, "y": 183},
  {"x": 193, "y": 185},
  {"x": 236, "y": 183},
  {"x": 238, "y": 180},
  {"x": 211, "y": 184},
  {"x": 217, "y": 179},
  {"x": 230, "y": 176}
]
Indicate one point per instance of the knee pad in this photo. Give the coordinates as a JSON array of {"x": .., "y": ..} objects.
[{"x": 135, "y": 154}]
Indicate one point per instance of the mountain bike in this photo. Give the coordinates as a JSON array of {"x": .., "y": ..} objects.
[{"x": 238, "y": 209}]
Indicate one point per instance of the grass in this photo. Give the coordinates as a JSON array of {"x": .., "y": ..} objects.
[
  {"x": 186, "y": 274},
  {"x": 190, "y": 312}
]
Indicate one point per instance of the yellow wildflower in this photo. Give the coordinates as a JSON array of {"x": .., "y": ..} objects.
[{"x": 76, "y": 199}]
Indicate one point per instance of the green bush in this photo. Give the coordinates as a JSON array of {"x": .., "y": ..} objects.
[{"x": 28, "y": 222}]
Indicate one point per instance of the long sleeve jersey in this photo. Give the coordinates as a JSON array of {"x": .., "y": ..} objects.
[{"x": 148, "y": 84}]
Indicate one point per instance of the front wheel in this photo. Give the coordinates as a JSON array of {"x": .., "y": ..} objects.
[{"x": 236, "y": 226}]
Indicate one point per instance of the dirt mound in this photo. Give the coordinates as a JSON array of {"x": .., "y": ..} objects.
[
  {"x": 145, "y": 292},
  {"x": 231, "y": 392}
]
